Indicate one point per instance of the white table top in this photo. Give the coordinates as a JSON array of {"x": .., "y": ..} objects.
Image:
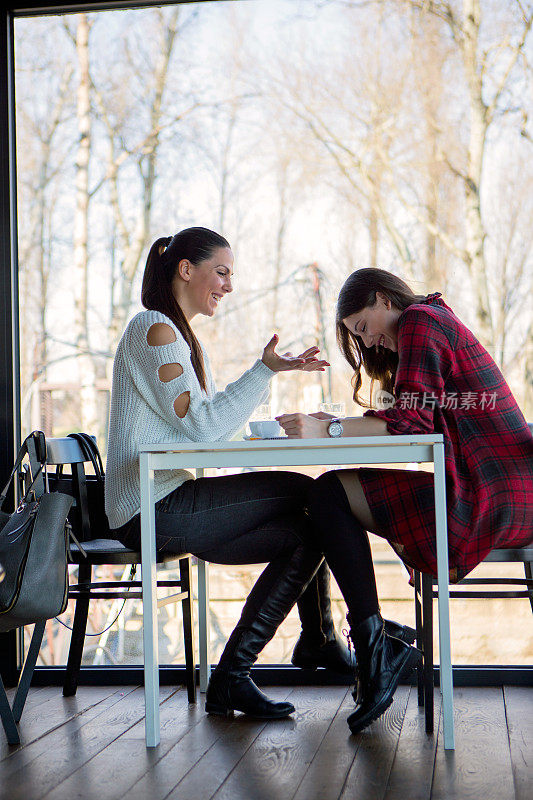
[{"x": 269, "y": 444}]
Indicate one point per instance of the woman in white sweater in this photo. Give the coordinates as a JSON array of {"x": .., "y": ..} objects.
[{"x": 163, "y": 391}]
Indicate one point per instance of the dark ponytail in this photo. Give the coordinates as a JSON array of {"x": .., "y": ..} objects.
[{"x": 196, "y": 245}]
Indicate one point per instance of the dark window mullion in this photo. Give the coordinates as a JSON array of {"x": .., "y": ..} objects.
[{"x": 10, "y": 643}]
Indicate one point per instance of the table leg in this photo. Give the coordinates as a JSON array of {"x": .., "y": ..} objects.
[
  {"x": 203, "y": 623},
  {"x": 149, "y": 594},
  {"x": 203, "y": 616},
  {"x": 445, "y": 659}
]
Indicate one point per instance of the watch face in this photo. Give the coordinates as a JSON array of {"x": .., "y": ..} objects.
[{"x": 335, "y": 429}]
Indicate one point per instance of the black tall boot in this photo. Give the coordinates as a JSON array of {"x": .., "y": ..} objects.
[
  {"x": 382, "y": 661},
  {"x": 319, "y": 644},
  {"x": 231, "y": 687}
]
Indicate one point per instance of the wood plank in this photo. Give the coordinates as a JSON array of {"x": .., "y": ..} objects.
[
  {"x": 234, "y": 738},
  {"x": 38, "y": 720},
  {"x": 33, "y": 694},
  {"x": 278, "y": 758},
  {"x": 327, "y": 771},
  {"x": 368, "y": 776},
  {"x": 32, "y": 772},
  {"x": 36, "y": 696},
  {"x": 92, "y": 746},
  {"x": 519, "y": 712},
  {"x": 229, "y": 743},
  {"x": 125, "y": 760},
  {"x": 411, "y": 775},
  {"x": 480, "y": 767}
]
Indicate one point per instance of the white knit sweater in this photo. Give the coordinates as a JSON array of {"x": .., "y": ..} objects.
[{"x": 142, "y": 411}]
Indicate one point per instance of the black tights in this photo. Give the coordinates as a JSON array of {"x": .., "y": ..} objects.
[
  {"x": 250, "y": 518},
  {"x": 345, "y": 545}
]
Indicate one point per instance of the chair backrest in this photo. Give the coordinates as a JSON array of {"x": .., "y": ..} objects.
[
  {"x": 519, "y": 554},
  {"x": 87, "y": 515},
  {"x": 64, "y": 450}
]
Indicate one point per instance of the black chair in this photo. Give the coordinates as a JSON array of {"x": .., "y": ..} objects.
[
  {"x": 11, "y": 714},
  {"x": 67, "y": 452},
  {"x": 425, "y": 591}
]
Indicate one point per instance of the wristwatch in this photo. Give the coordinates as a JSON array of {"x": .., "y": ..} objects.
[{"x": 335, "y": 428}]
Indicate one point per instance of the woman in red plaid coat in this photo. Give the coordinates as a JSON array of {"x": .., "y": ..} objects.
[{"x": 437, "y": 378}]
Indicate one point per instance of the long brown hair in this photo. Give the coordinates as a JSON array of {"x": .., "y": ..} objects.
[
  {"x": 359, "y": 292},
  {"x": 196, "y": 245}
]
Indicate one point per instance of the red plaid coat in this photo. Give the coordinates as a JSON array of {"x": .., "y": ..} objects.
[{"x": 446, "y": 382}]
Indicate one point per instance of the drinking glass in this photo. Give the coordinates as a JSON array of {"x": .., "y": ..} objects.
[
  {"x": 261, "y": 412},
  {"x": 336, "y": 409}
]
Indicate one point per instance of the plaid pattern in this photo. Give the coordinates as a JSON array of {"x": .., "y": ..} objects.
[{"x": 488, "y": 447}]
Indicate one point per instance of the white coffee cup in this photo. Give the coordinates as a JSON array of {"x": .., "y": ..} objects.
[{"x": 265, "y": 428}]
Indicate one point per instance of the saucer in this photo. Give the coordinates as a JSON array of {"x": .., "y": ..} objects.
[{"x": 262, "y": 438}]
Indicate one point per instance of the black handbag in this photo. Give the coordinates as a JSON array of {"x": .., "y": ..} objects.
[
  {"x": 94, "y": 524},
  {"x": 34, "y": 541}
]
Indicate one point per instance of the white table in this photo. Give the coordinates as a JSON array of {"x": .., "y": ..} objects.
[{"x": 282, "y": 453}]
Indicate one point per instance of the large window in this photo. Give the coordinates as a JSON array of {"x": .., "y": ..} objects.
[{"x": 318, "y": 138}]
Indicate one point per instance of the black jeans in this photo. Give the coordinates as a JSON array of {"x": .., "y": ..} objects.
[{"x": 251, "y": 518}]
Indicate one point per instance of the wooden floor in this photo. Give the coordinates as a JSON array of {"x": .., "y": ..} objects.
[{"x": 92, "y": 746}]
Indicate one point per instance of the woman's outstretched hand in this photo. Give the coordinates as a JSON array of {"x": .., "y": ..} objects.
[
  {"x": 306, "y": 361},
  {"x": 304, "y": 426}
]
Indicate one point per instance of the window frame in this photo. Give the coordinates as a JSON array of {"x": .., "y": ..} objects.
[{"x": 11, "y": 644}]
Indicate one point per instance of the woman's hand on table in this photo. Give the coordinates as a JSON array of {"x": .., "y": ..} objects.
[
  {"x": 306, "y": 361},
  {"x": 305, "y": 426},
  {"x": 315, "y": 426}
]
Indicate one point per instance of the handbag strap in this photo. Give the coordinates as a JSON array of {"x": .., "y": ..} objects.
[
  {"x": 39, "y": 475},
  {"x": 39, "y": 441},
  {"x": 91, "y": 451}
]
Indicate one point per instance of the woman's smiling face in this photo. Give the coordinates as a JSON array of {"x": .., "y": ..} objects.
[
  {"x": 199, "y": 288},
  {"x": 376, "y": 325}
]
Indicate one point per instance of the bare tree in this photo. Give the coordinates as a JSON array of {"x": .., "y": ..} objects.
[
  {"x": 86, "y": 365},
  {"x": 133, "y": 239},
  {"x": 508, "y": 212},
  {"x": 350, "y": 111},
  {"x": 372, "y": 161},
  {"x": 429, "y": 57},
  {"x": 489, "y": 69},
  {"x": 37, "y": 177},
  {"x": 528, "y": 372}
]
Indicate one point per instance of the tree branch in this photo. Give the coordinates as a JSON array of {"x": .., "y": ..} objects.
[{"x": 510, "y": 66}]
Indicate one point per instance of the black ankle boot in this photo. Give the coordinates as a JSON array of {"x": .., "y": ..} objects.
[
  {"x": 319, "y": 645},
  {"x": 402, "y": 632},
  {"x": 231, "y": 687},
  {"x": 333, "y": 653},
  {"x": 382, "y": 661}
]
